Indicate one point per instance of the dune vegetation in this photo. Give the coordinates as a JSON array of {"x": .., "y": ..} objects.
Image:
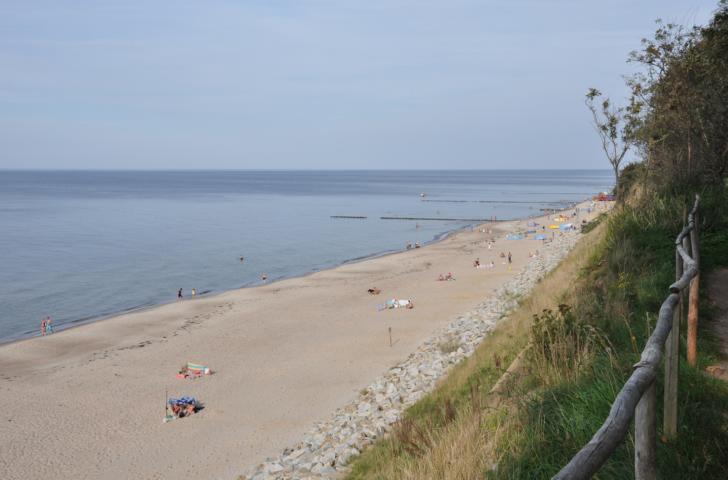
[{"x": 541, "y": 385}]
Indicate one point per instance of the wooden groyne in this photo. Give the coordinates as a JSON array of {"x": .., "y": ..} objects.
[
  {"x": 526, "y": 202},
  {"x": 439, "y": 219}
]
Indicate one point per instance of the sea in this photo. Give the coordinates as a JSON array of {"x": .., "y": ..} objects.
[{"x": 81, "y": 246}]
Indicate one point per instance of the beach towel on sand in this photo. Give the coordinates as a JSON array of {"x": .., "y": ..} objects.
[
  {"x": 395, "y": 303},
  {"x": 183, "y": 406},
  {"x": 193, "y": 370},
  {"x": 197, "y": 368}
]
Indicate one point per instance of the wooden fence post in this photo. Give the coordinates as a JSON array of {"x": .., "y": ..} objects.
[
  {"x": 672, "y": 347},
  {"x": 637, "y": 399},
  {"x": 645, "y": 436},
  {"x": 693, "y": 303}
]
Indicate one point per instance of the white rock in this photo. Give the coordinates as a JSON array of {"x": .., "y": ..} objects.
[{"x": 273, "y": 468}]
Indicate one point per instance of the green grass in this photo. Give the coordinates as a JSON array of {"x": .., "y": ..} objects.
[
  {"x": 565, "y": 391},
  {"x": 621, "y": 296}
]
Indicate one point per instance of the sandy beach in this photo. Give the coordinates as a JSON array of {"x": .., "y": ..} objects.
[{"x": 89, "y": 402}]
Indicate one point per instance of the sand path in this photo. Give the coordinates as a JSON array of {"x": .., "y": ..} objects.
[
  {"x": 718, "y": 293},
  {"x": 88, "y": 402}
]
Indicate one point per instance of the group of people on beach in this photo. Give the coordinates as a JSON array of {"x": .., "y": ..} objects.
[
  {"x": 509, "y": 256},
  {"x": 180, "y": 296},
  {"x": 263, "y": 278},
  {"x": 477, "y": 264},
  {"x": 46, "y": 326}
]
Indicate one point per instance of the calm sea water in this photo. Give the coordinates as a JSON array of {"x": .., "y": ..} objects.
[{"x": 83, "y": 245}]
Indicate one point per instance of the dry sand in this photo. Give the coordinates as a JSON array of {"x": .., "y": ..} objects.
[{"x": 89, "y": 402}]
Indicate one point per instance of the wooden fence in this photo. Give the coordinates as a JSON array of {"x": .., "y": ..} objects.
[{"x": 638, "y": 397}]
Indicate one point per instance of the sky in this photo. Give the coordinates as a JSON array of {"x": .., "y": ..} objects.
[{"x": 314, "y": 84}]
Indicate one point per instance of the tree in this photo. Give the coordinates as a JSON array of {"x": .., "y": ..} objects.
[
  {"x": 616, "y": 127},
  {"x": 684, "y": 89}
]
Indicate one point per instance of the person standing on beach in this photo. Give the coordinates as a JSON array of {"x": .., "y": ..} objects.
[
  {"x": 43, "y": 327},
  {"x": 49, "y": 325},
  {"x": 179, "y": 294},
  {"x": 194, "y": 292},
  {"x": 509, "y": 258}
]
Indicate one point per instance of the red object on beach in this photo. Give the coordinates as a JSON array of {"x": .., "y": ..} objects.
[{"x": 603, "y": 197}]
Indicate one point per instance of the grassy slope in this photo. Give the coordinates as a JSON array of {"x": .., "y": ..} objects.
[{"x": 614, "y": 282}]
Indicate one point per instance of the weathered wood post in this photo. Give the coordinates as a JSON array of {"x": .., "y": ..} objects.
[
  {"x": 693, "y": 301},
  {"x": 684, "y": 293},
  {"x": 645, "y": 436},
  {"x": 636, "y": 400},
  {"x": 672, "y": 348}
]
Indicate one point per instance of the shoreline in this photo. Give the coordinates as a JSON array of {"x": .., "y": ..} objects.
[
  {"x": 211, "y": 293},
  {"x": 285, "y": 355}
]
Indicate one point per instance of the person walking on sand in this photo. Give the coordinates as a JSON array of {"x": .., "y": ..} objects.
[
  {"x": 509, "y": 258},
  {"x": 43, "y": 327},
  {"x": 179, "y": 294}
]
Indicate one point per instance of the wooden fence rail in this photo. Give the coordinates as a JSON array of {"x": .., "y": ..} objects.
[{"x": 638, "y": 395}]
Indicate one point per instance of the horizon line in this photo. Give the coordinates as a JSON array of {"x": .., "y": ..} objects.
[{"x": 290, "y": 169}]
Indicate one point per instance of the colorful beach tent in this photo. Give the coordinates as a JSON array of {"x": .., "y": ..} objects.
[
  {"x": 566, "y": 226},
  {"x": 553, "y": 227},
  {"x": 514, "y": 236}
]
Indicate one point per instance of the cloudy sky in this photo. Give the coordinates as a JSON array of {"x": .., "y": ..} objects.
[{"x": 314, "y": 84}]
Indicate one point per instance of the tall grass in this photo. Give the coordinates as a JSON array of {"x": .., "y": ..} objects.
[
  {"x": 562, "y": 345},
  {"x": 619, "y": 295},
  {"x": 577, "y": 360}
]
